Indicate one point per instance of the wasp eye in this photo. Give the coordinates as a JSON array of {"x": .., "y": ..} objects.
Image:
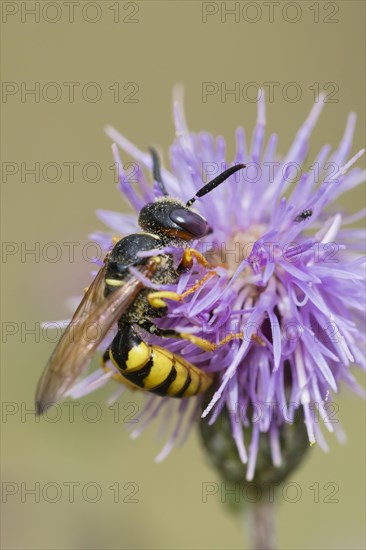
[{"x": 191, "y": 222}]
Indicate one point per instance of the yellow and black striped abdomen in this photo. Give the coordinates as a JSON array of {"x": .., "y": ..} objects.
[{"x": 156, "y": 369}]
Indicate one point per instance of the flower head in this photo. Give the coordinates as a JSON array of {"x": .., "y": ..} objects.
[{"x": 288, "y": 281}]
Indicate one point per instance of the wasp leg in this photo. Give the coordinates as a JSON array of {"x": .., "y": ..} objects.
[
  {"x": 202, "y": 343},
  {"x": 258, "y": 340},
  {"x": 155, "y": 369},
  {"x": 189, "y": 254},
  {"x": 155, "y": 299}
]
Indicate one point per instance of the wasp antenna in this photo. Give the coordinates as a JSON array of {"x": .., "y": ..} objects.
[
  {"x": 156, "y": 171},
  {"x": 215, "y": 183}
]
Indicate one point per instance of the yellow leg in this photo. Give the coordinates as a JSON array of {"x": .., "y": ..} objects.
[
  {"x": 155, "y": 299},
  {"x": 189, "y": 254},
  {"x": 206, "y": 344},
  {"x": 258, "y": 340},
  {"x": 200, "y": 342},
  {"x": 210, "y": 346}
]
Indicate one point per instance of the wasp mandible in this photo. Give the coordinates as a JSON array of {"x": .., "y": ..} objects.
[{"x": 116, "y": 295}]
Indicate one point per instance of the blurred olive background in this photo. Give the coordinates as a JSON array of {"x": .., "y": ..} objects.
[{"x": 153, "y": 45}]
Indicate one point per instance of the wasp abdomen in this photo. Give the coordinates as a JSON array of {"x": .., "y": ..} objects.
[{"x": 156, "y": 369}]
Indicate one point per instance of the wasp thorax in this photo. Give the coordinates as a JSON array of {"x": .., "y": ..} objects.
[{"x": 171, "y": 218}]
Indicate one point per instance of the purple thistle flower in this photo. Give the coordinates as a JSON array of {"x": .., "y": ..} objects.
[{"x": 289, "y": 278}]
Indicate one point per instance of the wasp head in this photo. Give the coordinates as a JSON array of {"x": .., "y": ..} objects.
[
  {"x": 171, "y": 218},
  {"x": 168, "y": 217}
]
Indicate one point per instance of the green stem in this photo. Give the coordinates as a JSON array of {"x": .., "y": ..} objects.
[{"x": 262, "y": 532}]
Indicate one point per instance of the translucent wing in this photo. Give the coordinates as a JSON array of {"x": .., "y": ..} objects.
[{"x": 88, "y": 327}]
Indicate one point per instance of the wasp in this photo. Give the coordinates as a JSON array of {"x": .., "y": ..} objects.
[
  {"x": 305, "y": 214},
  {"x": 116, "y": 295}
]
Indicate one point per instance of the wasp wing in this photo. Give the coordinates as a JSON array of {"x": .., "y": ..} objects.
[{"x": 90, "y": 324}]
